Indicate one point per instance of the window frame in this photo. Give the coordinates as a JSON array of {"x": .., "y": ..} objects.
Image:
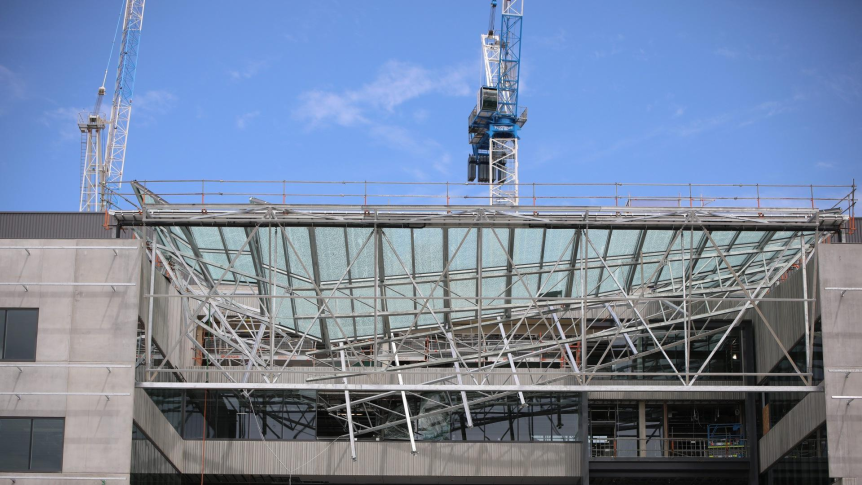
[
  {"x": 3, "y": 340},
  {"x": 30, "y": 451}
]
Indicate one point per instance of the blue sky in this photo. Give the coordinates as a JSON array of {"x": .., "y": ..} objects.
[{"x": 723, "y": 92}]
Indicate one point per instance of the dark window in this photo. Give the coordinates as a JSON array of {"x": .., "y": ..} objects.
[
  {"x": 31, "y": 444},
  {"x": 18, "y": 334},
  {"x": 47, "y": 445},
  {"x": 270, "y": 415}
]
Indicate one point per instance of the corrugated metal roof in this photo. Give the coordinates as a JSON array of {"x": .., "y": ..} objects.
[
  {"x": 58, "y": 225},
  {"x": 856, "y": 236}
]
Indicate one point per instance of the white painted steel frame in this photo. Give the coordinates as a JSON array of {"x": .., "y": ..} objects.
[{"x": 235, "y": 307}]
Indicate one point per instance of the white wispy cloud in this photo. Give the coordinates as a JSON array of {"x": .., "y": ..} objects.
[
  {"x": 12, "y": 87},
  {"x": 64, "y": 120},
  {"x": 243, "y": 120},
  {"x": 369, "y": 105},
  {"x": 396, "y": 83},
  {"x": 555, "y": 41},
  {"x": 739, "y": 118},
  {"x": 420, "y": 115},
  {"x": 747, "y": 53},
  {"x": 250, "y": 69},
  {"x": 825, "y": 165},
  {"x": 727, "y": 53},
  {"x": 844, "y": 82},
  {"x": 12, "y": 83},
  {"x": 155, "y": 102},
  {"x": 611, "y": 47},
  {"x": 151, "y": 105}
]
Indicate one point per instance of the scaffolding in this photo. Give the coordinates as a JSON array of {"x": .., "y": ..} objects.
[{"x": 470, "y": 302}]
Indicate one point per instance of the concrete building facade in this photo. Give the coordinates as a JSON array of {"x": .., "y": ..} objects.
[{"x": 157, "y": 384}]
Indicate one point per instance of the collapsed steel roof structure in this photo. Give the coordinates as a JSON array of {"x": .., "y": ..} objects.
[{"x": 492, "y": 302}]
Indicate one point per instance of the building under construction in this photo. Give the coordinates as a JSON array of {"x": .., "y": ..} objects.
[
  {"x": 231, "y": 342},
  {"x": 484, "y": 332}
]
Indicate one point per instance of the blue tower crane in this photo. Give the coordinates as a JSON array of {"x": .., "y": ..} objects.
[{"x": 495, "y": 122}]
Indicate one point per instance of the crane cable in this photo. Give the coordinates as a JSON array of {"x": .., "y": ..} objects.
[
  {"x": 116, "y": 33},
  {"x": 491, "y": 20}
]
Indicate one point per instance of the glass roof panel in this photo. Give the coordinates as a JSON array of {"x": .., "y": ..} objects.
[
  {"x": 493, "y": 287},
  {"x": 599, "y": 239},
  {"x": 722, "y": 238},
  {"x": 466, "y": 257},
  {"x": 592, "y": 280},
  {"x": 623, "y": 241},
  {"x": 363, "y": 305},
  {"x": 555, "y": 281},
  {"x": 365, "y": 326},
  {"x": 428, "y": 246},
  {"x": 306, "y": 306},
  {"x": 207, "y": 238},
  {"x": 297, "y": 244},
  {"x": 528, "y": 245},
  {"x": 621, "y": 274},
  {"x": 735, "y": 261},
  {"x": 672, "y": 270},
  {"x": 434, "y": 304},
  {"x": 363, "y": 263},
  {"x": 704, "y": 266},
  {"x": 216, "y": 257},
  {"x": 245, "y": 265},
  {"x": 656, "y": 241},
  {"x": 400, "y": 261},
  {"x": 331, "y": 252},
  {"x": 748, "y": 237},
  {"x": 643, "y": 272},
  {"x": 526, "y": 288},
  {"x": 576, "y": 284},
  {"x": 495, "y": 248},
  {"x": 558, "y": 246},
  {"x": 463, "y": 289},
  {"x": 235, "y": 238},
  {"x": 395, "y": 302}
]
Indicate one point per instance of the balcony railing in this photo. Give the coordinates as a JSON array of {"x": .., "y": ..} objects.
[{"x": 602, "y": 447}]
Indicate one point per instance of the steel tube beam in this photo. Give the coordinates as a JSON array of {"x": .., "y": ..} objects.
[{"x": 467, "y": 387}]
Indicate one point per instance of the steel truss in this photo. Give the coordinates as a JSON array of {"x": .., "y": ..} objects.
[{"x": 262, "y": 292}]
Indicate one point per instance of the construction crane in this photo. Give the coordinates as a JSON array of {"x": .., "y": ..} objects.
[
  {"x": 494, "y": 123},
  {"x": 102, "y": 175}
]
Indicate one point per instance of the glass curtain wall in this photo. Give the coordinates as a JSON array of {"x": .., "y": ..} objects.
[{"x": 306, "y": 415}]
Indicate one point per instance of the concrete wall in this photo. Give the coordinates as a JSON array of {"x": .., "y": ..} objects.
[
  {"x": 391, "y": 462},
  {"x": 153, "y": 423},
  {"x": 77, "y": 325},
  {"x": 841, "y": 266},
  {"x": 801, "y": 421}
]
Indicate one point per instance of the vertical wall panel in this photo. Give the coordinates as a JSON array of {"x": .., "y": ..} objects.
[
  {"x": 786, "y": 318},
  {"x": 801, "y": 421}
]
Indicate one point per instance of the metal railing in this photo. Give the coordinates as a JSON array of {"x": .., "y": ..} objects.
[
  {"x": 842, "y": 197},
  {"x": 605, "y": 447}
]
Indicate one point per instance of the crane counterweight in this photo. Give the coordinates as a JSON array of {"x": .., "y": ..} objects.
[{"x": 494, "y": 124}]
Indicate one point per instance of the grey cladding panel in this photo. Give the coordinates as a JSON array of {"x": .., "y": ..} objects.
[
  {"x": 58, "y": 225},
  {"x": 786, "y": 319},
  {"x": 801, "y": 421}
]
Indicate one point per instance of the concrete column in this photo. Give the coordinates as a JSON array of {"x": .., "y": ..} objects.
[
  {"x": 642, "y": 451},
  {"x": 749, "y": 365},
  {"x": 585, "y": 438}
]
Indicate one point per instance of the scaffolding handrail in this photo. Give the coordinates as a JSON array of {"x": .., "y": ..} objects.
[{"x": 610, "y": 194}]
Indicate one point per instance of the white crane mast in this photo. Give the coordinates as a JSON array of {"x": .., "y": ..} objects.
[
  {"x": 121, "y": 108},
  {"x": 102, "y": 172}
]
